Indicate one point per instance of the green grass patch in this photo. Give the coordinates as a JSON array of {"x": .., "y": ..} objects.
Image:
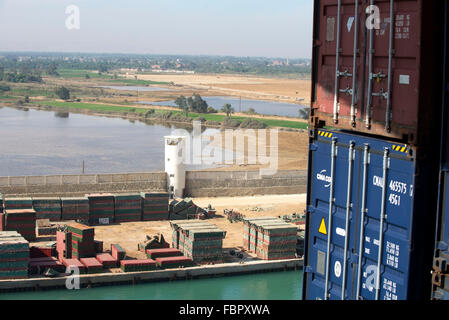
[
  {"x": 268, "y": 122},
  {"x": 79, "y": 73},
  {"x": 133, "y": 82},
  {"x": 31, "y": 92},
  {"x": 88, "y": 106},
  {"x": 7, "y": 97}
]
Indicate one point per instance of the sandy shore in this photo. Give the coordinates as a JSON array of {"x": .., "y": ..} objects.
[{"x": 287, "y": 90}]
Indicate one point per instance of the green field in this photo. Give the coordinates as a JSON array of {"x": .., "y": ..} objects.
[
  {"x": 138, "y": 82},
  {"x": 208, "y": 117},
  {"x": 78, "y": 73}
]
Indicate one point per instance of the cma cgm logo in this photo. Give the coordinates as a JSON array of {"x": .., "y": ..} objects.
[{"x": 323, "y": 177}]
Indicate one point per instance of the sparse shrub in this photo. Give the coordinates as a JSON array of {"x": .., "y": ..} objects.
[
  {"x": 231, "y": 123},
  {"x": 253, "y": 124},
  {"x": 211, "y": 110}
]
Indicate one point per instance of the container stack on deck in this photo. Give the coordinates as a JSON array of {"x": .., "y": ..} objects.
[
  {"x": 74, "y": 263},
  {"x": 163, "y": 253},
  {"x": 47, "y": 208},
  {"x": 200, "y": 241},
  {"x": 101, "y": 208},
  {"x": 137, "y": 265},
  {"x": 128, "y": 207},
  {"x": 22, "y": 221},
  {"x": 107, "y": 260},
  {"x": 14, "y": 256},
  {"x": 40, "y": 265},
  {"x": 18, "y": 203},
  {"x": 177, "y": 230},
  {"x": 64, "y": 244},
  {"x": 75, "y": 208},
  {"x": 154, "y": 206},
  {"x": 83, "y": 242},
  {"x": 117, "y": 252},
  {"x": 249, "y": 232},
  {"x": 174, "y": 262},
  {"x": 277, "y": 242},
  {"x": 92, "y": 265}
]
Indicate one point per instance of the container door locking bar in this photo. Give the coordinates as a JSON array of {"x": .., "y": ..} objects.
[
  {"x": 354, "y": 65},
  {"x": 331, "y": 207},
  {"x": 363, "y": 211},
  {"x": 388, "y": 115},
  {"x": 369, "y": 100},
  {"x": 379, "y": 76},
  {"x": 348, "y": 209},
  {"x": 337, "y": 65},
  {"x": 382, "y": 218}
]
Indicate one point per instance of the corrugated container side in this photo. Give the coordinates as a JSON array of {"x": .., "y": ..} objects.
[
  {"x": 387, "y": 196},
  {"x": 384, "y": 84}
]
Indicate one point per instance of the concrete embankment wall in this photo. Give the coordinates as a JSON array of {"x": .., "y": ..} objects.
[
  {"x": 84, "y": 183},
  {"x": 244, "y": 183},
  {"x": 198, "y": 183}
]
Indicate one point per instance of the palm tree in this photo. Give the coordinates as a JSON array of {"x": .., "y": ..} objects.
[{"x": 228, "y": 109}]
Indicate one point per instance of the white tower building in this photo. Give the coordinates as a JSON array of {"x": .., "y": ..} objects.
[{"x": 175, "y": 149}]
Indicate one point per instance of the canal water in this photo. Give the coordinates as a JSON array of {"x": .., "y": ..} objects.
[
  {"x": 262, "y": 286},
  {"x": 261, "y": 107},
  {"x": 42, "y": 143}
]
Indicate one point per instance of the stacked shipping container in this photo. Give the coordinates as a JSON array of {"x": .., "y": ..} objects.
[
  {"x": 14, "y": 256},
  {"x": 18, "y": 203},
  {"x": 137, "y": 265},
  {"x": 64, "y": 244},
  {"x": 22, "y": 221},
  {"x": 83, "y": 242},
  {"x": 128, "y": 207},
  {"x": 154, "y": 206},
  {"x": 200, "y": 241},
  {"x": 101, "y": 208},
  {"x": 47, "y": 208},
  {"x": 75, "y": 208},
  {"x": 276, "y": 242}
]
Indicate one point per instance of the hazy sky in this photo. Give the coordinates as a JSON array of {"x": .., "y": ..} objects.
[{"x": 270, "y": 28}]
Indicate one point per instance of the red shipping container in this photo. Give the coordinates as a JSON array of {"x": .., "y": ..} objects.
[
  {"x": 74, "y": 263},
  {"x": 378, "y": 79},
  {"x": 117, "y": 252},
  {"x": 159, "y": 253},
  {"x": 40, "y": 266},
  {"x": 36, "y": 252},
  {"x": 98, "y": 246},
  {"x": 107, "y": 260},
  {"x": 92, "y": 265},
  {"x": 137, "y": 265},
  {"x": 64, "y": 245},
  {"x": 174, "y": 261},
  {"x": 42, "y": 259}
]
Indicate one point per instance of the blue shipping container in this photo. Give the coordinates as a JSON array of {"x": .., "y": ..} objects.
[{"x": 370, "y": 205}]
